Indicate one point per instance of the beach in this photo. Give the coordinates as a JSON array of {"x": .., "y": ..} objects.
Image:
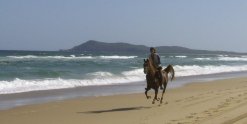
[
  {"x": 221, "y": 101},
  {"x": 91, "y": 62}
]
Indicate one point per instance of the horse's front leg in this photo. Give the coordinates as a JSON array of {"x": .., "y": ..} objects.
[
  {"x": 146, "y": 93},
  {"x": 155, "y": 97}
]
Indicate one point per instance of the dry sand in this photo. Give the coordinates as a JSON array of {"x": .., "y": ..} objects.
[{"x": 215, "y": 102}]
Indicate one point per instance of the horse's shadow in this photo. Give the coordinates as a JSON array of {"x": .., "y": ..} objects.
[{"x": 115, "y": 110}]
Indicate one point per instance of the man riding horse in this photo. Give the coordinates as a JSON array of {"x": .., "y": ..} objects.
[
  {"x": 156, "y": 77},
  {"x": 155, "y": 60}
]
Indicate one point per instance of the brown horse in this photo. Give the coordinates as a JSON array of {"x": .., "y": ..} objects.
[{"x": 153, "y": 80}]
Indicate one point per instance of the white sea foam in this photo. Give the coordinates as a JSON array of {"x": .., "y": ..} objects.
[
  {"x": 232, "y": 58},
  {"x": 135, "y": 72},
  {"x": 107, "y": 78},
  {"x": 203, "y": 70},
  {"x": 118, "y": 57},
  {"x": 222, "y": 55},
  {"x": 71, "y": 57},
  {"x": 99, "y": 78},
  {"x": 203, "y": 59},
  {"x": 180, "y": 56},
  {"x": 224, "y": 58},
  {"x": 100, "y": 74},
  {"x": 23, "y": 57},
  {"x": 50, "y": 57}
]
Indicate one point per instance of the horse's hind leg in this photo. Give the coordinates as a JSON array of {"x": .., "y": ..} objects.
[
  {"x": 146, "y": 93},
  {"x": 164, "y": 90}
]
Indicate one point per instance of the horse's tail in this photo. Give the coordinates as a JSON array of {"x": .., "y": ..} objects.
[{"x": 169, "y": 69}]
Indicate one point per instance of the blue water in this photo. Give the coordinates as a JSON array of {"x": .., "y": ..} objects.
[{"x": 24, "y": 71}]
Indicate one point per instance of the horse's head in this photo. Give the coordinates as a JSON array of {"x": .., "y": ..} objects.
[
  {"x": 148, "y": 67},
  {"x": 145, "y": 66}
]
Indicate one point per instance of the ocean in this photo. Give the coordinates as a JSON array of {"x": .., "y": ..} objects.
[{"x": 28, "y": 72}]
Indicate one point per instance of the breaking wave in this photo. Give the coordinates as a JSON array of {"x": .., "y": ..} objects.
[{"x": 107, "y": 78}]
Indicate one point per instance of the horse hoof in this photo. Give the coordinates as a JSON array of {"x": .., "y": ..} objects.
[{"x": 153, "y": 102}]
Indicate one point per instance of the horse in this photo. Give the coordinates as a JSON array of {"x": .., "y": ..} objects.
[{"x": 153, "y": 80}]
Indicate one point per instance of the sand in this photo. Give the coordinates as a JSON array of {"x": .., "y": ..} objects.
[{"x": 214, "y": 102}]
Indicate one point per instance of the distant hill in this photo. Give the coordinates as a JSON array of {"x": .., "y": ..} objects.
[{"x": 97, "y": 46}]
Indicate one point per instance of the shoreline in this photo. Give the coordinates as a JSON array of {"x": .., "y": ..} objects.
[
  {"x": 220, "y": 101},
  {"x": 8, "y": 101}
]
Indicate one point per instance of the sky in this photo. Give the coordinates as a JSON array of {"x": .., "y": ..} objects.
[{"x": 62, "y": 24}]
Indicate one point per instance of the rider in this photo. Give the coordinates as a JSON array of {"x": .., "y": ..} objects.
[{"x": 156, "y": 63}]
